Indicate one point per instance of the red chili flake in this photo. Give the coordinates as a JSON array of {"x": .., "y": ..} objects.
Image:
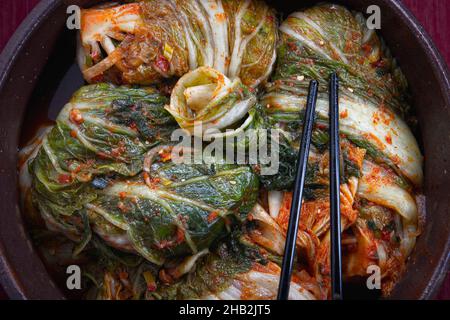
[
  {"x": 375, "y": 118},
  {"x": 75, "y": 116},
  {"x": 221, "y": 17},
  {"x": 165, "y": 277},
  {"x": 156, "y": 180},
  {"x": 344, "y": 114},
  {"x": 292, "y": 46},
  {"x": 386, "y": 235},
  {"x": 151, "y": 181},
  {"x": 367, "y": 49},
  {"x": 388, "y": 138},
  {"x": 348, "y": 46},
  {"x": 321, "y": 126},
  {"x": 180, "y": 236},
  {"x": 165, "y": 156},
  {"x": 212, "y": 216},
  {"x": 75, "y": 168},
  {"x": 162, "y": 64},
  {"x": 73, "y": 133},
  {"x": 122, "y": 195},
  {"x": 64, "y": 178},
  {"x": 151, "y": 287}
]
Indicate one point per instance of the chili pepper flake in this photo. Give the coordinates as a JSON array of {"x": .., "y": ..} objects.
[
  {"x": 65, "y": 178},
  {"x": 75, "y": 116},
  {"x": 388, "y": 138},
  {"x": 122, "y": 195},
  {"x": 343, "y": 114},
  {"x": 212, "y": 216},
  {"x": 150, "y": 281},
  {"x": 162, "y": 64},
  {"x": 165, "y": 277},
  {"x": 73, "y": 133},
  {"x": 180, "y": 237}
]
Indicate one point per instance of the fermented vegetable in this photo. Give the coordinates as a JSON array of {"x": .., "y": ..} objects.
[
  {"x": 381, "y": 164},
  {"x": 110, "y": 188},
  {"x": 234, "y": 270},
  {"x": 148, "y": 41},
  {"x": 97, "y": 169},
  {"x": 207, "y": 98}
]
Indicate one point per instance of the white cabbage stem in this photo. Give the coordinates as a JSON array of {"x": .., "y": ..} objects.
[
  {"x": 188, "y": 264},
  {"x": 199, "y": 96},
  {"x": 269, "y": 234},
  {"x": 311, "y": 24},
  {"x": 393, "y": 137},
  {"x": 275, "y": 200},
  {"x": 382, "y": 255},
  {"x": 218, "y": 19},
  {"x": 260, "y": 283},
  {"x": 408, "y": 238},
  {"x": 377, "y": 186},
  {"x": 206, "y": 97},
  {"x": 119, "y": 241}
]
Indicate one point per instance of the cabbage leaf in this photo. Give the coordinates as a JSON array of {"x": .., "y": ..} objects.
[
  {"x": 91, "y": 165},
  {"x": 147, "y": 41}
]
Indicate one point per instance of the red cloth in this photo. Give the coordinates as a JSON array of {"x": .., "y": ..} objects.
[{"x": 433, "y": 14}]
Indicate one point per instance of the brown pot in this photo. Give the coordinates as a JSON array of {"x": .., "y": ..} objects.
[{"x": 36, "y": 78}]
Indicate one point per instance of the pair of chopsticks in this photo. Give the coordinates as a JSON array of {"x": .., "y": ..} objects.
[{"x": 296, "y": 206}]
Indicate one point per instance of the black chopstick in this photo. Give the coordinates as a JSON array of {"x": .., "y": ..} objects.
[
  {"x": 294, "y": 218},
  {"x": 335, "y": 211}
]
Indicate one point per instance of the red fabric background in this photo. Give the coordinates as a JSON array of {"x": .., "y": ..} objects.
[{"x": 433, "y": 14}]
